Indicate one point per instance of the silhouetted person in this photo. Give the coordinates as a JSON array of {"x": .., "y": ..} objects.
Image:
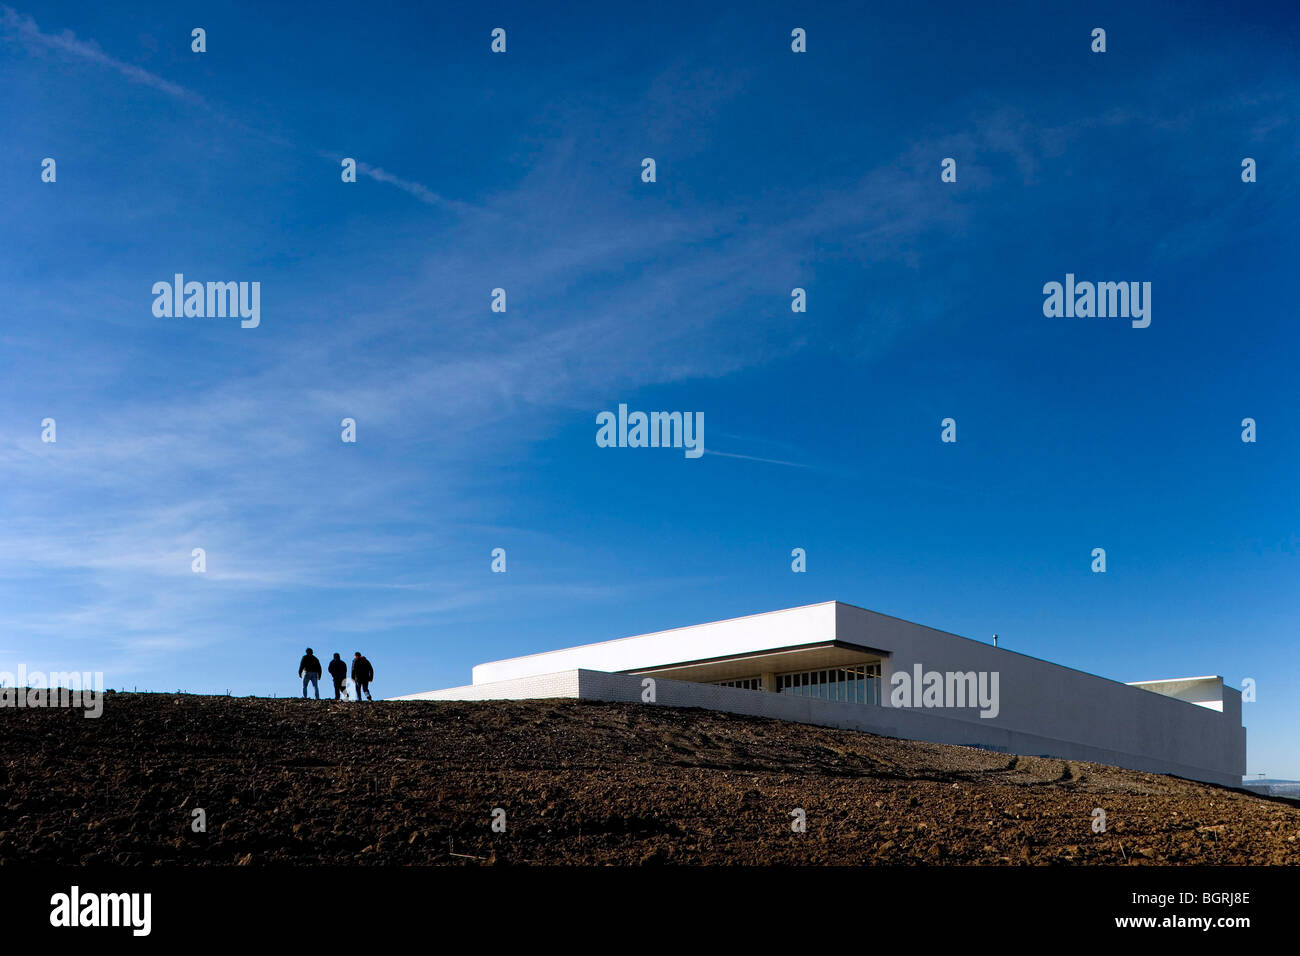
[
  {"x": 362, "y": 675},
  {"x": 339, "y": 671},
  {"x": 309, "y": 671}
]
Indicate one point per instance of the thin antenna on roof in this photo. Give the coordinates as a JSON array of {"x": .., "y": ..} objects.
[{"x": 995, "y": 640}]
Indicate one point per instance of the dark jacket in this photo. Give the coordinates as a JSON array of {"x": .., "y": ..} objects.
[
  {"x": 362, "y": 672},
  {"x": 338, "y": 670},
  {"x": 310, "y": 664}
]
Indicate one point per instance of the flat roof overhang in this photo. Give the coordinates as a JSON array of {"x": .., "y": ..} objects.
[
  {"x": 1203, "y": 691},
  {"x": 800, "y": 657}
]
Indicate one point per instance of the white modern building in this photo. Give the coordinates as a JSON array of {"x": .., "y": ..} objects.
[{"x": 837, "y": 665}]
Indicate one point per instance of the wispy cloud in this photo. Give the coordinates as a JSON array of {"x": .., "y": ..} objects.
[
  {"x": 418, "y": 190},
  {"x": 770, "y": 461},
  {"x": 26, "y": 30}
]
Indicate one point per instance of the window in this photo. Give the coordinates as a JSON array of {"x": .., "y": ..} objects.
[
  {"x": 744, "y": 683},
  {"x": 855, "y": 683}
]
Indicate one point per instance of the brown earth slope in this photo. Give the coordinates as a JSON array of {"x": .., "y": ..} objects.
[{"x": 287, "y": 781}]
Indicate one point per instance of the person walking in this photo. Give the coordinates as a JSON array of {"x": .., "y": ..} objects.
[
  {"x": 362, "y": 675},
  {"x": 339, "y": 671},
  {"x": 309, "y": 671}
]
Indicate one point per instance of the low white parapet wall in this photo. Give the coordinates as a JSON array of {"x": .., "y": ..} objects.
[
  {"x": 561, "y": 684},
  {"x": 906, "y": 723}
]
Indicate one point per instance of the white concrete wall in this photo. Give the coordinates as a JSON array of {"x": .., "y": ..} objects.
[
  {"x": 758, "y": 632},
  {"x": 1057, "y": 703},
  {"x": 932, "y": 725},
  {"x": 563, "y": 684}
]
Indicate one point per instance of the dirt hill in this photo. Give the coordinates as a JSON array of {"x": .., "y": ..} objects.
[{"x": 287, "y": 781}]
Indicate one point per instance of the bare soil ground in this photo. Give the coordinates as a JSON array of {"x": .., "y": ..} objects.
[{"x": 294, "y": 782}]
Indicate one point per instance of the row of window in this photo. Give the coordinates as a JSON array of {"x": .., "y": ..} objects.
[
  {"x": 853, "y": 683},
  {"x": 744, "y": 683}
]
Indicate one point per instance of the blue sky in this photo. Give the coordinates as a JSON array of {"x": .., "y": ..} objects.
[{"x": 476, "y": 429}]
